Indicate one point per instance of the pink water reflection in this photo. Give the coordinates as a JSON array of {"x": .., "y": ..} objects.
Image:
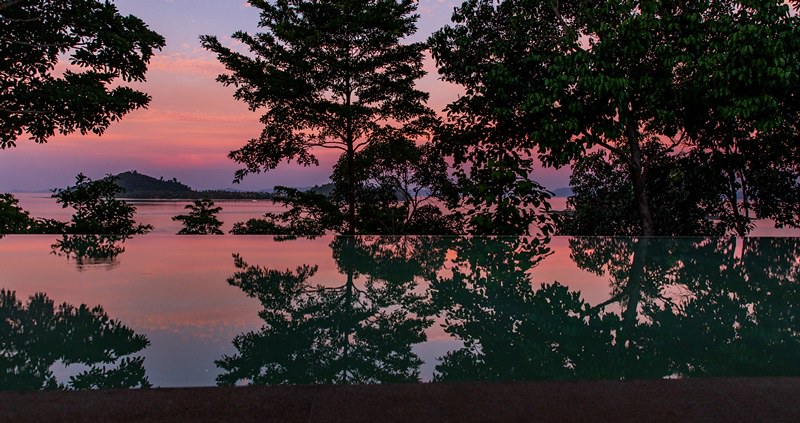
[{"x": 174, "y": 290}]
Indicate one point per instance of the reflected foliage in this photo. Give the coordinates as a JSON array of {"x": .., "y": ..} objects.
[
  {"x": 90, "y": 250},
  {"x": 677, "y": 308},
  {"x": 38, "y": 334},
  {"x": 357, "y": 330},
  {"x": 702, "y": 307},
  {"x": 511, "y": 329}
]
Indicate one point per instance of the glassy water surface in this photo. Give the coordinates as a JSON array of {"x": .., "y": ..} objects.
[
  {"x": 158, "y": 213},
  {"x": 170, "y": 311}
]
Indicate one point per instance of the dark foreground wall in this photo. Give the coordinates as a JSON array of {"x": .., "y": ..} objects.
[{"x": 758, "y": 399}]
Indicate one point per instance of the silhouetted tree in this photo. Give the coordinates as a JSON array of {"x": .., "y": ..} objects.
[
  {"x": 103, "y": 49},
  {"x": 330, "y": 74},
  {"x": 309, "y": 214},
  {"x": 201, "y": 220},
  {"x": 16, "y": 220},
  {"x": 561, "y": 78},
  {"x": 603, "y": 202},
  {"x": 398, "y": 186},
  {"x": 97, "y": 211},
  {"x": 35, "y": 335},
  {"x": 13, "y": 219}
]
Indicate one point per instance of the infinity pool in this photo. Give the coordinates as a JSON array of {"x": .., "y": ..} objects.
[{"x": 200, "y": 311}]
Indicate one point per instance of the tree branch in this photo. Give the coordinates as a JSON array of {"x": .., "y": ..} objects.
[
  {"x": 27, "y": 44},
  {"x": 324, "y": 144},
  {"x": 20, "y": 20},
  {"x": 24, "y": 112},
  {"x": 609, "y": 147},
  {"x": 9, "y": 3}
]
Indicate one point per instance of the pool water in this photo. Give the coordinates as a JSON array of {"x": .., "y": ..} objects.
[{"x": 204, "y": 310}]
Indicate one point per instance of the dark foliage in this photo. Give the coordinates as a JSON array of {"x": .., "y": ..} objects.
[
  {"x": 603, "y": 201},
  {"x": 15, "y": 220},
  {"x": 560, "y": 79},
  {"x": 103, "y": 50},
  {"x": 329, "y": 74},
  {"x": 35, "y": 335},
  {"x": 398, "y": 186},
  {"x": 97, "y": 210},
  {"x": 201, "y": 220}
]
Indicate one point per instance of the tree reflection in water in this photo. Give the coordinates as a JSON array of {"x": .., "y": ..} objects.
[
  {"x": 91, "y": 250},
  {"x": 36, "y": 335},
  {"x": 359, "y": 330},
  {"x": 678, "y": 307},
  {"x": 511, "y": 329}
]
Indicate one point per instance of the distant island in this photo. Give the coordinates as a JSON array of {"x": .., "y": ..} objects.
[
  {"x": 563, "y": 192},
  {"x": 138, "y": 185}
]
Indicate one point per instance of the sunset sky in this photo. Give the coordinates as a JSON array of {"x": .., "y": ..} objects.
[{"x": 193, "y": 121}]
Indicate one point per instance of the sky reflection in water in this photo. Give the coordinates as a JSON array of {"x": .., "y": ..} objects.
[{"x": 379, "y": 309}]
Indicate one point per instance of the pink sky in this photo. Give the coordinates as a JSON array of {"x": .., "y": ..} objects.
[{"x": 193, "y": 121}]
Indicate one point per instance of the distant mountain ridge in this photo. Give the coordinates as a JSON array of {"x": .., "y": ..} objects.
[
  {"x": 563, "y": 192},
  {"x": 139, "y": 185},
  {"x": 135, "y": 183}
]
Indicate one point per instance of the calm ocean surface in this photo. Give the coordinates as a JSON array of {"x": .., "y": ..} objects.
[{"x": 159, "y": 213}]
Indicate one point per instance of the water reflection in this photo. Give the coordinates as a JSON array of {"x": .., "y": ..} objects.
[
  {"x": 359, "y": 328},
  {"x": 91, "y": 250},
  {"x": 702, "y": 307},
  {"x": 37, "y": 335},
  {"x": 675, "y": 308},
  {"x": 511, "y": 329}
]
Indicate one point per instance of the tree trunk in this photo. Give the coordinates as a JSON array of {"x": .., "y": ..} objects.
[
  {"x": 637, "y": 177},
  {"x": 351, "y": 191},
  {"x": 351, "y": 163},
  {"x": 349, "y": 325},
  {"x": 632, "y": 297},
  {"x": 734, "y": 202}
]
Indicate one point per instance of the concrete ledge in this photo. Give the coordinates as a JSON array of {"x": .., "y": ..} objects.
[{"x": 726, "y": 399}]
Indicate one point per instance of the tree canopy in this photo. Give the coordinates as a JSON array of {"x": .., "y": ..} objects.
[
  {"x": 397, "y": 186},
  {"x": 327, "y": 74},
  {"x": 63, "y": 64},
  {"x": 201, "y": 219},
  {"x": 603, "y": 202},
  {"x": 97, "y": 211},
  {"x": 562, "y": 79}
]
